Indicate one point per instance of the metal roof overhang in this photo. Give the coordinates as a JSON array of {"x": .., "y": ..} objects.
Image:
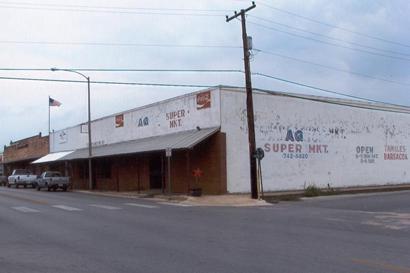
[
  {"x": 175, "y": 141},
  {"x": 51, "y": 157}
]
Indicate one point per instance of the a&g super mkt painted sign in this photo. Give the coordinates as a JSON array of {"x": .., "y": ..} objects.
[{"x": 294, "y": 146}]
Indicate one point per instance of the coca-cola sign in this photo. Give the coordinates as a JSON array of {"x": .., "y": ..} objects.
[
  {"x": 119, "y": 121},
  {"x": 203, "y": 100}
]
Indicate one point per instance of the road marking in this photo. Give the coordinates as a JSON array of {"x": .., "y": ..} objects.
[
  {"x": 63, "y": 207},
  {"x": 389, "y": 220},
  {"x": 271, "y": 207},
  {"x": 141, "y": 205},
  {"x": 104, "y": 207},
  {"x": 382, "y": 265},
  {"x": 175, "y": 204},
  {"x": 25, "y": 209},
  {"x": 25, "y": 199}
]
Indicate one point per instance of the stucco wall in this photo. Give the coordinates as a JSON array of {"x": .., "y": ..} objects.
[
  {"x": 170, "y": 116},
  {"x": 308, "y": 142}
]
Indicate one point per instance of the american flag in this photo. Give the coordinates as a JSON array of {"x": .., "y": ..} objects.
[{"x": 53, "y": 102}]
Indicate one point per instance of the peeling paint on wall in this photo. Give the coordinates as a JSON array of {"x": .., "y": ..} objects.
[
  {"x": 308, "y": 142},
  {"x": 170, "y": 116}
]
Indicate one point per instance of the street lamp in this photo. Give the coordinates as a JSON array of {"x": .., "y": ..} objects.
[{"x": 90, "y": 173}]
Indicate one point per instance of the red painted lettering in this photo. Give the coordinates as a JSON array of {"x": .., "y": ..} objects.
[{"x": 291, "y": 148}]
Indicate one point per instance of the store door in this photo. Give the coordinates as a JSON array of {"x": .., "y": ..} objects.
[{"x": 155, "y": 173}]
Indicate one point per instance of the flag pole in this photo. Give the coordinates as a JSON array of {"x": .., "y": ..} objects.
[
  {"x": 49, "y": 122},
  {"x": 49, "y": 116}
]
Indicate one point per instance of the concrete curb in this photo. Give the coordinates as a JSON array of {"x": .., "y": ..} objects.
[
  {"x": 225, "y": 201},
  {"x": 242, "y": 200},
  {"x": 134, "y": 196},
  {"x": 204, "y": 201},
  {"x": 338, "y": 191}
]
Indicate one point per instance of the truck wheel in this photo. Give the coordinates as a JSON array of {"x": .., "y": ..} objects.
[
  {"x": 25, "y": 186},
  {"x": 8, "y": 185},
  {"x": 48, "y": 188},
  {"x": 38, "y": 188},
  {"x": 54, "y": 188},
  {"x": 65, "y": 188}
]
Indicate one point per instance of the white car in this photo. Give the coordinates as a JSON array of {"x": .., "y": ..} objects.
[{"x": 21, "y": 177}]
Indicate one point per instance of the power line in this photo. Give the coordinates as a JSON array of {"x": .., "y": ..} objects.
[
  {"x": 332, "y": 44},
  {"x": 329, "y": 37},
  {"x": 108, "y": 82},
  {"x": 406, "y": 109},
  {"x": 321, "y": 89},
  {"x": 210, "y": 70},
  {"x": 331, "y": 67},
  {"x": 118, "y": 44},
  {"x": 112, "y": 7},
  {"x": 112, "y": 11},
  {"x": 334, "y": 26},
  {"x": 199, "y": 85},
  {"x": 130, "y": 70},
  {"x": 202, "y": 86}
]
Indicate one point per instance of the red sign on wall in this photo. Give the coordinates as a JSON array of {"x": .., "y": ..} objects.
[
  {"x": 119, "y": 121},
  {"x": 203, "y": 100}
]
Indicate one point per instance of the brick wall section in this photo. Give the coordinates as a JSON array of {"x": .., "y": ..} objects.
[
  {"x": 210, "y": 157},
  {"x": 127, "y": 173},
  {"x": 132, "y": 172},
  {"x": 19, "y": 154},
  {"x": 77, "y": 172},
  {"x": 26, "y": 149},
  {"x": 1, "y": 164}
]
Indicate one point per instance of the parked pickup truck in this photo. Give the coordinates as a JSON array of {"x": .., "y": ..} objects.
[
  {"x": 52, "y": 181},
  {"x": 21, "y": 177}
]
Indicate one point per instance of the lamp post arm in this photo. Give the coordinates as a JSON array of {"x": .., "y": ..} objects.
[
  {"x": 90, "y": 172},
  {"x": 70, "y": 70}
]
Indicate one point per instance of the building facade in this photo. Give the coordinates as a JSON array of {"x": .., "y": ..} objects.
[
  {"x": 310, "y": 140},
  {"x": 1, "y": 165},
  {"x": 200, "y": 140},
  {"x": 20, "y": 154},
  {"x": 130, "y": 149}
]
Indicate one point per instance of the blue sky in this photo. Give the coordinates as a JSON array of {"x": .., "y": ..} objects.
[{"x": 24, "y": 104}]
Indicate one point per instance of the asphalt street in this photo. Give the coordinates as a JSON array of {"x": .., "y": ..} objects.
[{"x": 74, "y": 232}]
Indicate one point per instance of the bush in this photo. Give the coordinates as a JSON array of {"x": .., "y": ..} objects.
[{"x": 312, "y": 190}]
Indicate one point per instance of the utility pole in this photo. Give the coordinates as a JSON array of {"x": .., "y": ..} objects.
[{"x": 249, "y": 101}]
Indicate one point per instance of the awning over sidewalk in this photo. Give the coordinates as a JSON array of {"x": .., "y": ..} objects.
[
  {"x": 176, "y": 141},
  {"x": 52, "y": 157}
]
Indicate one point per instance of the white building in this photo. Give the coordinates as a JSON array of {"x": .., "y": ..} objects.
[{"x": 306, "y": 139}]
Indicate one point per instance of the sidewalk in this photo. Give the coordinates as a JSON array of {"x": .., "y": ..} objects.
[
  {"x": 227, "y": 200},
  {"x": 231, "y": 200},
  {"x": 343, "y": 190},
  {"x": 242, "y": 200}
]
